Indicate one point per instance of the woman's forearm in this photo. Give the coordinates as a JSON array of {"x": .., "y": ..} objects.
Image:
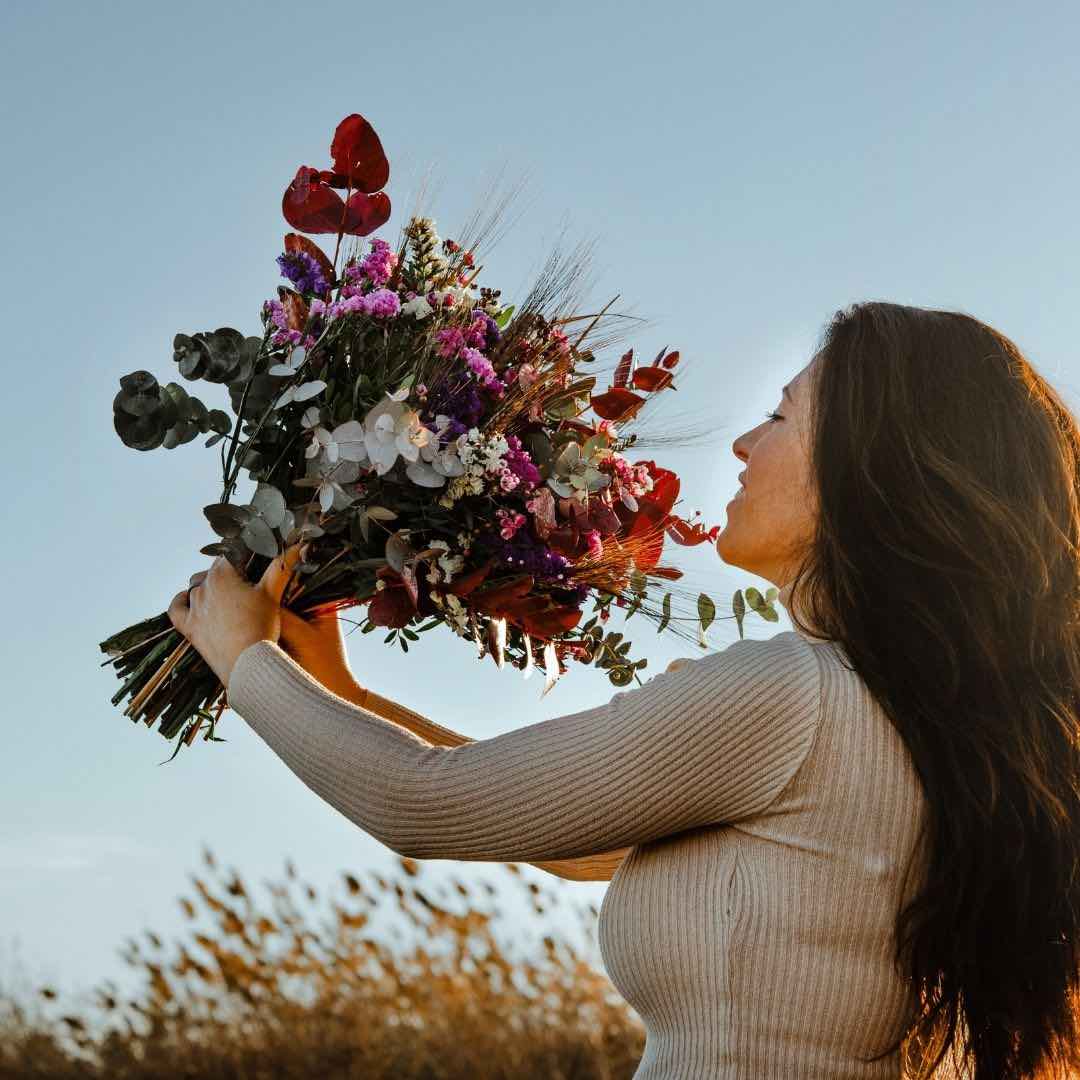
[{"x": 598, "y": 867}]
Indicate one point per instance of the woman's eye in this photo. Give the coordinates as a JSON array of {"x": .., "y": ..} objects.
[{"x": 773, "y": 416}]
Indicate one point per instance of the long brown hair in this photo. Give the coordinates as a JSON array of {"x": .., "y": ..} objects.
[{"x": 947, "y": 563}]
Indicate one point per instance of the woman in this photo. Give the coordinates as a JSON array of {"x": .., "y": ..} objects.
[{"x": 829, "y": 849}]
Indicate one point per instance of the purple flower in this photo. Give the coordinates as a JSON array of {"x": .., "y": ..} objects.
[
  {"x": 303, "y": 271},
  {"x": 456, "y": 397},
  {"x": 493, "y": 333},
  {"x": 521, "y": 464},
  {"x": 524, "y": 553}
]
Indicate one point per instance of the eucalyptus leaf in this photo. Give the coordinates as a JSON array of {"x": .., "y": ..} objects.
[
  {"x": 226, "y": 519},
  {"x": 308, "y": 390},
  {"x": 269, "y": 503},
  {"x": 259, "y": 537}
]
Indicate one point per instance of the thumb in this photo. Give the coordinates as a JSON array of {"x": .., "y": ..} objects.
[{"x": 277, "y": 575}]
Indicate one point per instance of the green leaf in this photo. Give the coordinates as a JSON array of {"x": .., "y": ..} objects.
[
  {"x": 738, "y": 607},
  {"x": 754, "y": 598},
  {"x": 706, "y": 611},
  {"x": 504, "y": 317},
  {"x": 666, "y": 609}
]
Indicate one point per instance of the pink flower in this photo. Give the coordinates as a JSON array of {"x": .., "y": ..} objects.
[
  {"x": 476, "y": 335},
  {"x": 383, "y": 303},
  {"x": 379, "y": 263},
  {"x": 450, "y": 341},
  {"x": 606, "y": 427},
  {"x": 596, "y": 545},
  {"x": 510, "y": 521},
  {"x": 527, "y": 375}
]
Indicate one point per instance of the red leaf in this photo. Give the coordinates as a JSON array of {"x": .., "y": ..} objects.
[
  {"x": 392, "y": 606},
  {"x": 296, "y": 308},
  {"x": 588, "y": 430},
  {"x": 625, "y": 366},
  {"x": 682, "y": 532},
  {"x": 651, "y": 378},
  {"x": 463, "y": 585},
  {"x": 665, "y": 488},
  {"x": 670, "y": 360},
  {"x": 668, "y": 572},
  {"x": 546, "y": 624},
  {"x": 312, "y": 206},
  {"x": 358, "y": 156},
  {"x": 617, "y": 404},
  {"x": 648, "y": 524},
  {"x": 295, "y": 242},
  {"x": 366, "y": 213},
  {"x": 493, "y": 601}
]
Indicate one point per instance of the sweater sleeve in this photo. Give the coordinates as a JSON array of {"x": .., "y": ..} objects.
[{"x": 714, "y": 740}]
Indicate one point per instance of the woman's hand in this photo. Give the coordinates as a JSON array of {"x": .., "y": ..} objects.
[
  {"x": 317, "y": 645},
  {"x": 221, "y": 614}
]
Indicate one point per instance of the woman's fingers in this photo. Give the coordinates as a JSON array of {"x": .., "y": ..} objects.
[
  {"x": 180, "y": 611},
  {"x": 278, "y": 574}
]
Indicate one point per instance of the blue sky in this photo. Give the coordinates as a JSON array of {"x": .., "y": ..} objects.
[{"x": 744, "y": 170}]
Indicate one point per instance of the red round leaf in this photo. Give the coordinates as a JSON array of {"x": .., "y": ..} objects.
[
  {"x": 392, "y": 606},
  {"x": 311, "y": 206},
  {"x": 366, "y": 213},
  {"x": 617, "y": 404},
  {"x": 651, "y": 378},
  {"x": 670, "y": 360},
  {"x": 358, "y": 156}
]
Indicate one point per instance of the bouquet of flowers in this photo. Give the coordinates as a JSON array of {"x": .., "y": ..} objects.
[{"x": 428, "y": 445}]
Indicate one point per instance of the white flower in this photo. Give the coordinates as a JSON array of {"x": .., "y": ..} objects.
[
  {"x": 392, "y": 428},
  {"x": 450, "y": 565},
  {"x": 418, "y": 306}
]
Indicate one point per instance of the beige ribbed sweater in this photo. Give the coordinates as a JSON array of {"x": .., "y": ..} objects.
[{"x": 768, "y": 806}]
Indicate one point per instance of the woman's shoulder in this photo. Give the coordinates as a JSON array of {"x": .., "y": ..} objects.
[{"x": 787, "y": 650}]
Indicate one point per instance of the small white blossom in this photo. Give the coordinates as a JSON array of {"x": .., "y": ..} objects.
[{"x": 418, "y": 307}]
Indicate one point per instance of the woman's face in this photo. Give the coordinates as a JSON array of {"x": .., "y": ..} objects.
[{"x": 771, "y": 520}]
